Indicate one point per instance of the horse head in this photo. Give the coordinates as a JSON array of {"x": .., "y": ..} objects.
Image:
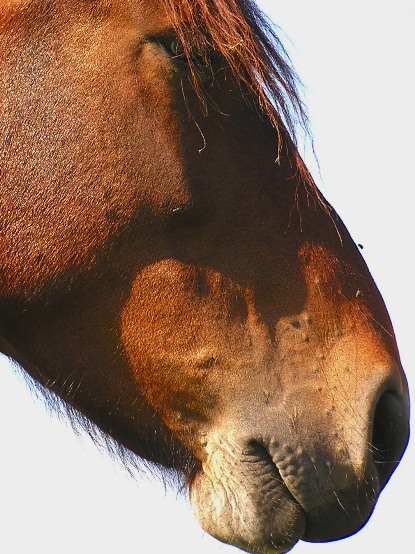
[{"x": 170, "y": 270}]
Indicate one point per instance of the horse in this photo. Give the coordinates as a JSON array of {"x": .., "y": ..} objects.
[{"x": 170, "y": 270}]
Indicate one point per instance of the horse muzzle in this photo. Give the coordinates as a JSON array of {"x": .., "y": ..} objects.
[{"x": 314, "y": 477}]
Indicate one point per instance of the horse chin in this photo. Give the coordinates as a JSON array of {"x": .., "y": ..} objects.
[{"x": 240, "y": 499}]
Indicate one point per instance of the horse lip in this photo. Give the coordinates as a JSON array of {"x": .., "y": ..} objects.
[
  {"x": 275, "y": 513},
  {"x": 331, "y": 515},
  {"x": 252, "y": 538},
  {"x": 240, "y": 498}
]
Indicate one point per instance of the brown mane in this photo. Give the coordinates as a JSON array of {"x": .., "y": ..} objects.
[{"x": 248, "y": 41}]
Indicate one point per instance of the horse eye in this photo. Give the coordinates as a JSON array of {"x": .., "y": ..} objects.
[
  {"x": 174, "y": 49},
  {"x": 199, "y": 59}
]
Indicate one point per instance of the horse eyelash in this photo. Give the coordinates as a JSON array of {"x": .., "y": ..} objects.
[
  {"x": 174, "y": 49},
  {"x": 177, "y": 52}
]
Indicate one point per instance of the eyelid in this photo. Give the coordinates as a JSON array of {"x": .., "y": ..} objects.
[
  {"x": 174, "y": 49},
  {"x": 171, "y": 45},
  {"x": 177, "y": 52}
]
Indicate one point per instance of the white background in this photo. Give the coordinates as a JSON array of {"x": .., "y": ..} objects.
[{"x": 58, "y": 494}]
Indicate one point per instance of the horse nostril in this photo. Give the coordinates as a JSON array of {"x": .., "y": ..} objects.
[{"x": 389, "y": 434}]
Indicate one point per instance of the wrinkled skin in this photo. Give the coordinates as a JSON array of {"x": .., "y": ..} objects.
[{"x": 165, "y": 277}]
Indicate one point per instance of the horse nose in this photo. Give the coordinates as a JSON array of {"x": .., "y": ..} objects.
[
  {"x": 389, "y": 434},
  {"x": 352, "y": 465},
  {"x": 378, "y": 420},
  {"x": 309, "y": 464},
  {"x": 336, "y": 459}
]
